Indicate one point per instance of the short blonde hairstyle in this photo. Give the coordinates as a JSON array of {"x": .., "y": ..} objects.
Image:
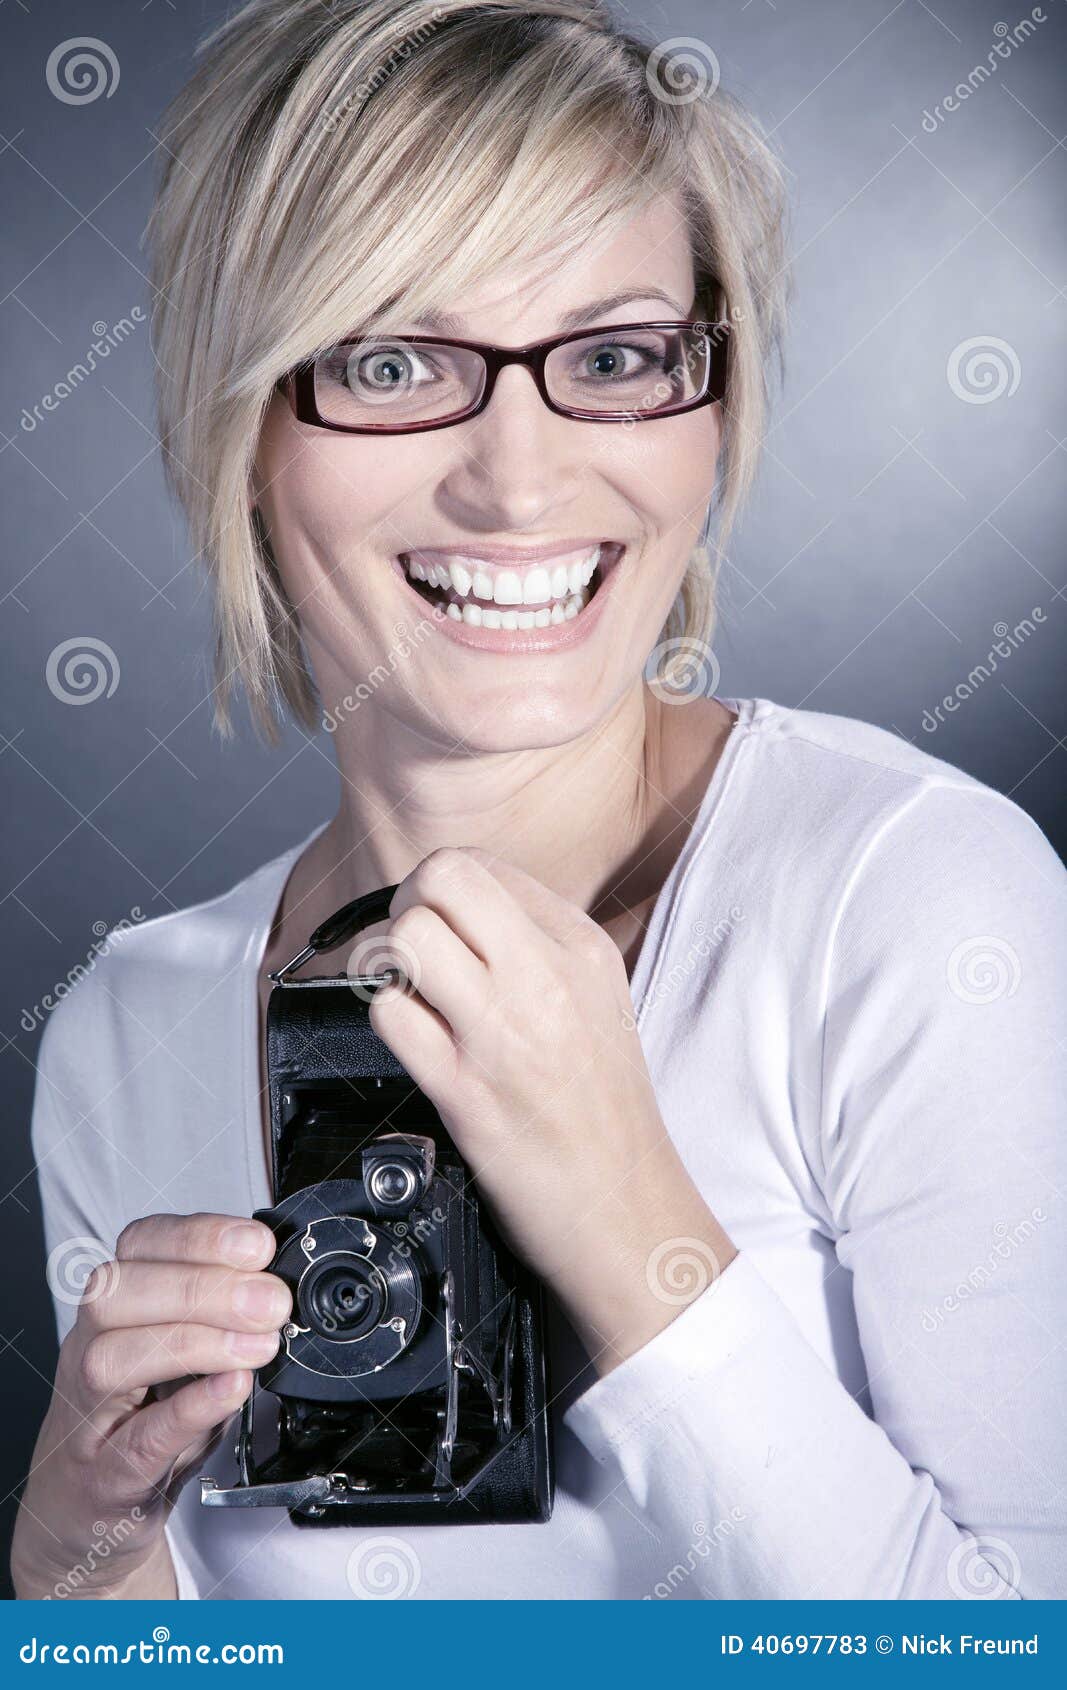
[{"x": 327, "y": 165}]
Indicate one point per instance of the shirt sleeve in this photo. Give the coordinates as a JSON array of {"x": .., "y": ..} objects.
[
  {"x": 942, "y": 1161},
  {"x": 76, "y": 1170}
]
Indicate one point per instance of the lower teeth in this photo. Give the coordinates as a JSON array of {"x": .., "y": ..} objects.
[{"x": 486, "y": 616}]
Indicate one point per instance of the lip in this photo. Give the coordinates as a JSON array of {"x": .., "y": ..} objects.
[
  {"x": 514, "y": 641},
  {"x": 517, "y": 555}
]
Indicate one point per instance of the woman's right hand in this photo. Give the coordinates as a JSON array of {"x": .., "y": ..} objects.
[{"x": 185, "y": 1295}]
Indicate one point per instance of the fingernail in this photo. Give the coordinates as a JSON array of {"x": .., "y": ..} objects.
[
  {"x": 246, "y": 1243},
  {"x": 229, "y": 1385},
  {"x": 262, "y": 1299},
  {"x": 254, "y": 1346}
]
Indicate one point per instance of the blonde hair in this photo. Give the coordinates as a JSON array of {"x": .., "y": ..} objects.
[{"x": 328, "y": 165}]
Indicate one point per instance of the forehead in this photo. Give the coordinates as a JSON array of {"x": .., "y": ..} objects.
[{"x": 649, "y": 257}]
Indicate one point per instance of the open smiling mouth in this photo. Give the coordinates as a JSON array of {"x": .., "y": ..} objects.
[{"x": 545, "y": 593}]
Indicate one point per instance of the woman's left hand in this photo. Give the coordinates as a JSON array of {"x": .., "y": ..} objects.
[{"x": 518, "y": 1025}]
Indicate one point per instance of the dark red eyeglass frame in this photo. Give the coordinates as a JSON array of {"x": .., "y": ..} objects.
[{"x": 299, "y": 383}]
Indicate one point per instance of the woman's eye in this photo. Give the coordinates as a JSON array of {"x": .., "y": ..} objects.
[
  {"x": 385, "y": 369},
  {"x": 612, "y": 360},
  {"x": 381, "y": 371}
]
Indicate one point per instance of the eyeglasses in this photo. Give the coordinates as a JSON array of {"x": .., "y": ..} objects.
[{"x": 382, "y": 384}]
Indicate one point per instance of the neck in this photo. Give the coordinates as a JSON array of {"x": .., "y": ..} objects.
[{"x": 569, "y": 815}]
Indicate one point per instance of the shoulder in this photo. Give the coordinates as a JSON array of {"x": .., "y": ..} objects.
[
  {"x": 144, "y": 978},
  {"x": 882, "y": 811}
]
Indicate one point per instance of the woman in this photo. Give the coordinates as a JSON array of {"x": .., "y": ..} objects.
[{"x": 744, "y": 1017}]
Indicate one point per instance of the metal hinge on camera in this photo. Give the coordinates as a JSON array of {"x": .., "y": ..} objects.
[{"x": 344, "y": 924}]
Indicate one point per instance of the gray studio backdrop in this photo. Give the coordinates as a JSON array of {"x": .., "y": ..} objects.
[{"x": 907, "y": 524}]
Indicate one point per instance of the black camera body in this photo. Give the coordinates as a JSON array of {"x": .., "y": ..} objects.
[{"x": 410, "y": 1383}]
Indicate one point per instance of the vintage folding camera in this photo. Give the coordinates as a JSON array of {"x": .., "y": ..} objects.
[{"x": 410, "y": 1384}]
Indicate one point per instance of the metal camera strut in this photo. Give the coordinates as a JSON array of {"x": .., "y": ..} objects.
[{"x": 344, "y": 924}]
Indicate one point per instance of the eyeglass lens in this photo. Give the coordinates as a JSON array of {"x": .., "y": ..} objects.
[{"x": 384, "y": 382}]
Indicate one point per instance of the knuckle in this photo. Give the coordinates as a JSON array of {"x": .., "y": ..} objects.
[
  {"x": 97, "y": 1294},
  {"x": 444, "y": 867},
  {"x": 412, "y": 924},
  {"x": 131, "y": 1235},
  {"x": 97, "y": 1367},
  {"x": 590, "y": 942},
  {"x": 146, "y": 1448},
  {"x": 194, "y": 1290}
]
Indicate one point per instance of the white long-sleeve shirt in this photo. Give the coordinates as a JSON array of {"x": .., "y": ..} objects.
[{"x": 850, "y": 998}]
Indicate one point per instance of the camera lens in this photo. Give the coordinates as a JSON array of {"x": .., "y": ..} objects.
[
  {"x": 392, "y": 1182},
  {"x": 343, "y": 1297}
]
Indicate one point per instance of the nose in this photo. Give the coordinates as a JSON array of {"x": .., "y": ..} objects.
[{"x": 517, "y": 460}]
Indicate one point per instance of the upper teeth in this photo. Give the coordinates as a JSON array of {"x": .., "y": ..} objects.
[{"x": 472, "y": 576}]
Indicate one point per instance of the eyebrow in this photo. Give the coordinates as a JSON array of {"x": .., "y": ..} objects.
[{"x": 444, "y": 322}]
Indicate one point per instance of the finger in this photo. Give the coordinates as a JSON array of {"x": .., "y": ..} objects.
[
  {"x": 459, "y": 884},
  {"x": 556, "y": 916},
  {"x": 134, "y": 1358},
  {"x": 441, "y": 968},
  {"x": 418, "y": 1036},
  {"x": 153, "y": 1440},
  {"x": 231, "y": 1239},
  {"x": 157, "y": 1293}
]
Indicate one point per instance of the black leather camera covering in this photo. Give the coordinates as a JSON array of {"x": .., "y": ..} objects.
[{"x": 316, "y": 1033}]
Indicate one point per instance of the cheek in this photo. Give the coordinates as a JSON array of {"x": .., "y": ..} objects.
[
  {"x": 668, "y": 469},
  {"x": 332, "y": 505}
]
